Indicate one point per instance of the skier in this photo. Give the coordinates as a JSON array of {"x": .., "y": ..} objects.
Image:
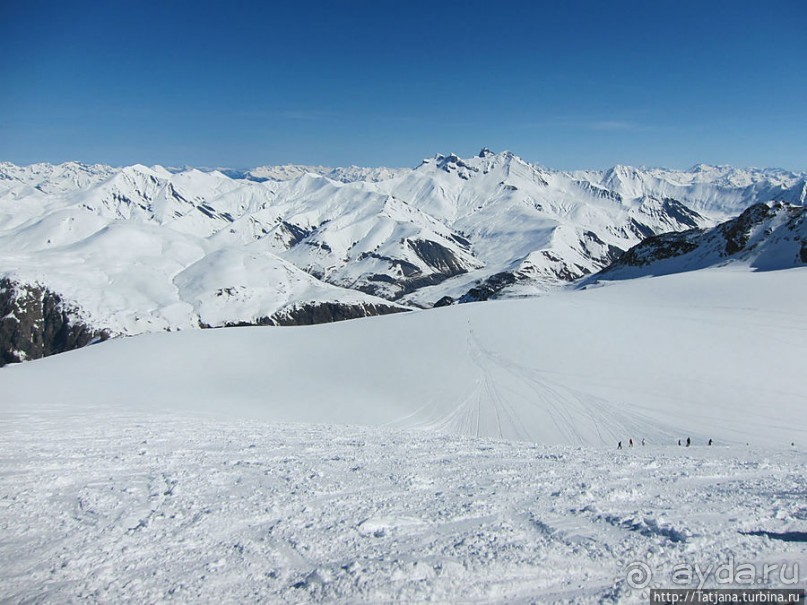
[
  {"x": 679, "y": 443},
  {"x": 710, "y": 442},
  {"x": 643, "y": 442},
  {"x": 619, "y": 446},
  {"x": 689, "y": 441},
  {"x": 630, "y": 442}
]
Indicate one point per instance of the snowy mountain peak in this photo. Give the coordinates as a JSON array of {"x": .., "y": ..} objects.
[{"x": 113, "y": 242}]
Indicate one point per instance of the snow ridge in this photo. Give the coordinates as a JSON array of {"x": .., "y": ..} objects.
[{"x": 139, "y": 249}]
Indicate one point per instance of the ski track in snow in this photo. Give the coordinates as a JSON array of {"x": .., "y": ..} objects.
[
  {"x": 102, "y": 505},
  {"x": 563, "y": 406}
]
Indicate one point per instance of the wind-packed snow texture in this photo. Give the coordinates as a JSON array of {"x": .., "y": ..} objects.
[{"x": 104, "y": 505}]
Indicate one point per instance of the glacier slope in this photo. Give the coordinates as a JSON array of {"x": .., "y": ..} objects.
[{"x": 707, "y": 354}]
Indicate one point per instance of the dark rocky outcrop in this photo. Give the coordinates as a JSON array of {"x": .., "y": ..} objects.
[
  {"x": 36, "y": 322},
  {"x": 307, "y": 314},
  {"x": 598, "y": 250},
  {"x": 764, "y": 235},
  {"x": 446, "y": 301},
  {"x": 738, "y": 231},
  {"x": 639, "y": 229},
  {"x": 437, "y": 256},
  {"x": 681, "y": 213},
  {"x": 406, "y": 268},
  {"x": 295, "y": 233},
  {"x": 328, "y": 312},
  {"x": 489, "y": 288},
  {"x": 658, "y": 247}
]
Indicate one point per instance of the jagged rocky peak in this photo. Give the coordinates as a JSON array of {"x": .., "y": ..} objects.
[
  {"x": 452, "y": 163},
  {"x": 486, "y": 153}
]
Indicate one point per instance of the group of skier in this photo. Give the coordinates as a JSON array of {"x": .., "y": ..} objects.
[{"x": 630, "y": 443}]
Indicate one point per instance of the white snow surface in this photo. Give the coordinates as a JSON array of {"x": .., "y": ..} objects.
[
  {"x": 108, "y": 505},
  {"x": 456, "y": 455},
  {"x": 711, "y": 354}
]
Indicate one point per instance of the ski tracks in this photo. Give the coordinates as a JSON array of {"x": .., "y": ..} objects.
[
  {"x": 121, "y": 508},
  {"x": 515, "y": 401}
]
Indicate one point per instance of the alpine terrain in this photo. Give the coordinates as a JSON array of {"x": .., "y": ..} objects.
[
  {"x": 640, "y": 424},
  {"x": 92, "y": 252}
]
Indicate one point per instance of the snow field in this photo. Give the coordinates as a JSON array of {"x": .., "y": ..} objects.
[
  {"x": 709, "y": 354},
  {"x": 106, "y": 505}
]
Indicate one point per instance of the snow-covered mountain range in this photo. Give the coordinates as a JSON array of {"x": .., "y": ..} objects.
[
  {"x": 88, "y": 252},
  {"x": 459, "y": 453}
]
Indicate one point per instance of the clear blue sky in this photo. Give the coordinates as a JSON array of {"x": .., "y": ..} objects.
[{"x": 382, "y": 82}]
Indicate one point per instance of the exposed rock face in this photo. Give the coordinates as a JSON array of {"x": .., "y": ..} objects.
[
  {"x": 438, "y": 257},
  {"x": 327, "y": 312},
  {"x": 442, "y": 262},
  {"x": 659, "y": 247},
  {"x": 319, "y": 313},
  {"x": 489, "y": 288},
  {"x": 35, "y": 322},
  {"x": 738, "y": 231},
  {"x": 767, "y": 236},
  {"x": 677, "y": 211}
]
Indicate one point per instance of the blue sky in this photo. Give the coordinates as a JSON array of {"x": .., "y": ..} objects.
[{"x": 382, "y": 82}]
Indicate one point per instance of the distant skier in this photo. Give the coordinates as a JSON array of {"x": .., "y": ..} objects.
[
  {"x": 643, "y": 442},
  {"x": 689, "y": 441},
  {"x": 619, "y": 446},
  {"x": 710, "y": 442},
  {"x": 630, "y": 442},
  {"x": 679, "y": 443}
]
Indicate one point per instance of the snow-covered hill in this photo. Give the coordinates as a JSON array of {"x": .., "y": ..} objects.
[
  {"x": 708, "y": 354},
  {"x": 98, "y": 251}
]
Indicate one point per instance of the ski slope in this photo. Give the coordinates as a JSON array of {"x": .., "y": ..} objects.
[
  {"x": 229, "y": 464},
  {"x": 708, "y": 354},
  {"x": 105, "y": 505}
]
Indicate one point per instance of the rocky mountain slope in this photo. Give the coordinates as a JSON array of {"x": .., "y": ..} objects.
[
  {"x": 137, "y": 249},
  {"x": 766, "y": 236}
]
